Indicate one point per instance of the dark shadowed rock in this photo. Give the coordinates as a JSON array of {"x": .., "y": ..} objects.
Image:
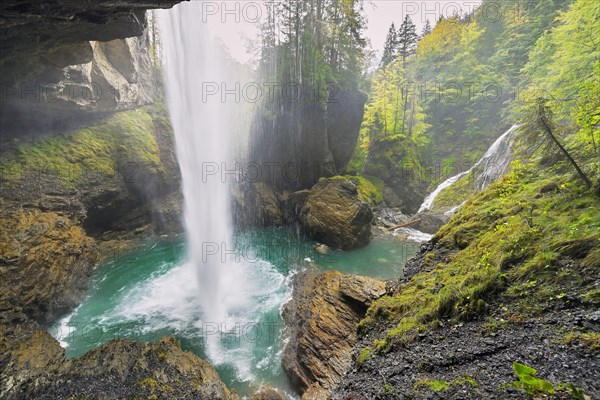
[
  {"x": 255, "y": 204},
  {"x": 333, "y": 214},
  {"x": 344, "y": 114},
  {"x": 429, "y": 222},
  {"x": 36, "y": 369},
  {"x": 64, "y": 61},
  {"x": 321, "y": 322}
]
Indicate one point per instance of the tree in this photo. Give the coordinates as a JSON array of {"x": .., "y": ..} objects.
[
  {"x": 427, "y": 30},
  {"x": 539, "y": 125},
  {"x": 390, "y": 47},
  {"x": 407, "y": 39}
]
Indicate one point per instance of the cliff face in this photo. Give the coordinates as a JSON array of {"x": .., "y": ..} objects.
[
  {"x": 64, "y": 62},
  {"x": 308, "y": 143},
  {"x": 85, "y": 155}
]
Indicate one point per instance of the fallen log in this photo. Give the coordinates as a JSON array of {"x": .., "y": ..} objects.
[{"x": 404, "y": 225}]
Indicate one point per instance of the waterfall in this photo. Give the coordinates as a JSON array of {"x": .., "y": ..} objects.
[
  {"x": 494, "y": 162},
  {"x": 202, "y": 132}
]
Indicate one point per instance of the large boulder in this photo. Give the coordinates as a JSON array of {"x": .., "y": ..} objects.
[
  {"x": 321, "y": 322},
  {"x": 429, "y": 222},
  {"x": 334, "y": 215}
]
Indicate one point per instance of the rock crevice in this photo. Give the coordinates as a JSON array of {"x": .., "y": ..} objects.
[{"x": 321, "y": 322}]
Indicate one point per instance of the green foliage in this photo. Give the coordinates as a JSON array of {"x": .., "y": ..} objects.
[
  {"x": 407, "y": 39},
  {"x": 501, "y": 247},
  {"x": 528, "y": 382},
  {"x": 390, "y": 50},
  {"x": 563, "y": 64}
]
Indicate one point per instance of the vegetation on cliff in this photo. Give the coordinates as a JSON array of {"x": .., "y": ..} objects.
[{"x": 124, "y": 142}]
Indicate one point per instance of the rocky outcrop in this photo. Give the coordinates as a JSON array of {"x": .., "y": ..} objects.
[
  {"x": 45, "y": 262},
  {"x": 344, "y": 115},
  {"x": 429, "y": 222},
  {"x": 76, "y": 83},
  {"x": 333, "y": 214},
  {"x": 64, "y": 62},
  {"x": 30, "y": 28},
  {"x": 321, "y": 322},
  {"x": 268, "y": 393},
  {"x": 118, "y": 175},
  {"x": 35, "y": 368}
]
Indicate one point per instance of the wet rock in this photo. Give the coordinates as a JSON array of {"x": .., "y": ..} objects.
[
  {"x": 321, "y": 321},
  {"x": 45, "y": 262},
  {"x": 429, "y": 222},
  {"x": 344, "y": 116},
  {"x": 315, "y": 392},
  {"x": 291, "y": 205},
  {"x": 333, "y": 214},
  {"x": 403, "y": 188},
  {"x": 110, "y": 76},
  {"x": 119, "y": 369},
  {"x": 314, "y": 141},
  {"x": 29, "y": 28},
  {"x": 255, "y": 204},
  {"x": 268, "y": 393}
]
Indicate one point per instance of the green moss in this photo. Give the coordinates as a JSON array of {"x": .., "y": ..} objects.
[
  {"x": 455, "y": 194},
  {"x": 439, "y": 385},
  {"x": 506, "y": 240},
  {"x": 148, "y": 383},
  {"x": 592, "y": 296},
  {"x": 589, "y": 341},
  {"x": 370, "y": 189},
  {"x": 364, "y": 355},
  {"x": 122, "y": 144}
]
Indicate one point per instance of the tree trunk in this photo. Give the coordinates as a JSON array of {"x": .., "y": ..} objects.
[{"x": 546, "y": 125}]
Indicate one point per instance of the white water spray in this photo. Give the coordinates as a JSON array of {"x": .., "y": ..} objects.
[
  {"x": 230, "y": 293},
  {"x": 202, "y": 132},
  {"x": 495, "y": 162}
]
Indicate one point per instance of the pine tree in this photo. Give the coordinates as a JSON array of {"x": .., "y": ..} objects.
[
  {"x": 390, "y": 47},
  {"x": 427, "y": 30},
  {"x": 407, "y": 39}
]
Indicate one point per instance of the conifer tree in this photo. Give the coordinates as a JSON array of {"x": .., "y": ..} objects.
[
  {"x": 407, "y": 39},
  {"x": 390, "y": 47},
  {"x": 427, "y": 29}
]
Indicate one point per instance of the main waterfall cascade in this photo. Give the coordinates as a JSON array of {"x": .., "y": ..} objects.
[
  {"x": 229, "y": 293},
  {"x": 494, "y": 162},
  {"x": 202, "y": 133}
]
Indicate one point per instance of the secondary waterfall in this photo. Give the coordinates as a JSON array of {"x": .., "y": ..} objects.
[
  {"x": 494, "y": 162},
  {"x": 202, "y": 134}
]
